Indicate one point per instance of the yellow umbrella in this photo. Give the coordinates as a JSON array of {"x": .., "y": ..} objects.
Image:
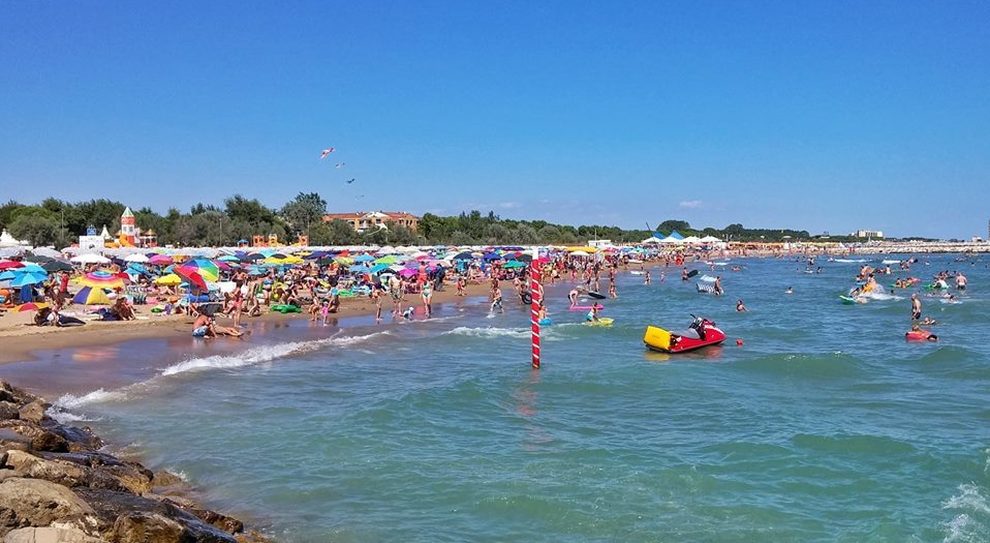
[{"x": 169, "y": 280}]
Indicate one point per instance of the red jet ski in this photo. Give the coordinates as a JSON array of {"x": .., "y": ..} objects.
[{"x": 701, "y": 333}]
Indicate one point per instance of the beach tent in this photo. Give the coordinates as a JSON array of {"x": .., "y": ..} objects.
[
  {"x": 710, "y": 239},
  {"x": 676, "y": 235},
  {"x": 137, "y": 258},
  {"x": 672, "y": 240},
  {"x": 652, "y": 240},
  {"x": 691, "y": 239}
]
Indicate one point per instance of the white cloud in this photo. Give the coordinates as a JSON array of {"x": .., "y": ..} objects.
[
  {"x": 690, "y": 204},
  {"x": 509, "y": 205}
]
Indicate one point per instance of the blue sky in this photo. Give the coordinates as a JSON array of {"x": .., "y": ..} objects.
[{"x": 826, "y": 116}]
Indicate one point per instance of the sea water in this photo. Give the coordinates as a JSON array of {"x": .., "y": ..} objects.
[{"x": 825, "y": 425}]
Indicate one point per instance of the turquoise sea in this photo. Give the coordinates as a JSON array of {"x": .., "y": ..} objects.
[{"x": 825, "y": 425}]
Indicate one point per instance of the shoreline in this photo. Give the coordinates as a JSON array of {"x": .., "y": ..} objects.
[{"x": 23, "y": 341}]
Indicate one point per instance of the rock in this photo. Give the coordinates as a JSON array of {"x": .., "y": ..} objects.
[
  {"x": 19, "y": 430},
  {"x": 79, "y": 436},
  {"x": 7, "y": 392},
  {"x": 132, "y": 476},
  {"x": 34, "y": 412},
  {"x": 225, "y": 523},
  {"x": 126, "y": 518},
  {"x": 50, "y": 441},
  {"x": 10, "y": 474},
  {"x": 122, "y": 477},
  {"x": 33, "y": 502},
  {"x": 164, "y": 478},
  {"x": 9, "y": 410},
  {"x": 49, "y": 535},
  {"x": 56, "y": 471}
]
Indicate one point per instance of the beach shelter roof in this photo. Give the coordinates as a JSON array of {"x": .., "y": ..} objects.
[
  {"x": 676, "y": 235},
  {"x": 137, "y": 257},
  {"x": 671, "y": 239},
  {"x": 710, "y": 239},
  {"x": 650, "y": 240},
  {"x": 691, "y": 239}
]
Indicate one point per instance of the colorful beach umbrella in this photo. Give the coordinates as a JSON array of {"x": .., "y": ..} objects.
[
  {"x": 192, "y": 275},
  {"x": 206, "y": 269},
  {"x": 102, "y": 279},
  {"x": 364, "y": 258},
  {"x": 30, "y": 306},
  {"x": 10, "y": 264},
  {"x": 91, "y": 296},
  {"x": 160, "y": 260}
]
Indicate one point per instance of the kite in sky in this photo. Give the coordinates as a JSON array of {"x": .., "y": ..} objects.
[
  {"x": 326, "y": 152},
  {"x": 351, "y": 180},
  {"x": 341, "y": 164}
]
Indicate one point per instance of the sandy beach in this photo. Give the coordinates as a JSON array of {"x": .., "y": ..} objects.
[{"x": 21, "y": 338}]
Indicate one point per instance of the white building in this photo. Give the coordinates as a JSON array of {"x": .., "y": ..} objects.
[{"x": 867, "y": 234}]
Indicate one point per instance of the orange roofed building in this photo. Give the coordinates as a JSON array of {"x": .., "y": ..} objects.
[{"x": 363, "y": 221}]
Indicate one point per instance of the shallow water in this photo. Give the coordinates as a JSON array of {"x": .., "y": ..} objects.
[{"x": 824, "y": 426}]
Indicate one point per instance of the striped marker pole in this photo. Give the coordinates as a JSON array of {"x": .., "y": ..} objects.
[{"x": 536, "y": 295}]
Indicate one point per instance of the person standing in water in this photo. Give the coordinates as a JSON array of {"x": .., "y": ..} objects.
[{"x": 915, "y": 307}]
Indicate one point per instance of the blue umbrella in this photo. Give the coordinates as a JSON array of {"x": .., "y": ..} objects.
[
  {"x": 6, "y": 275},
  {"x": 379, "y": 268},
  {"x": 363, "y": 258},
  {"x": 30, "y": 268},
  {"x": 357, "y": 268},
  {"x": 29, "y": 278}
]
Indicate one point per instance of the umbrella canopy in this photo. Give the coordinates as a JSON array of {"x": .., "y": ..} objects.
[
  {"x": 513, "y": 264},
  {"x": 387, "y": 260},
  {"x": 358, "y": 268},
  {"x": 102, "y": 279},
  {"x": 229, "y": 258},
  {"x": 56, "y": 265},
  {"x": 169, "y": 280},
  {"x": 27, "y": 278},
  {"x": 137, "y": 257},
  {"x": 193, "y": 276},
  {"x": 206, "y": 269},
  {"x": 91, "y": 296},
  {"x": 160, "y": 260},
  {"x": 466, "y": 255},
  {"x": 7, "y": 275},
  {"x": 378, "y": 268},
  {"x": 90, "y": 258},
  {"x": 364, "y": 258},
  {"x": 30, "y": 306},
  {"x": 406, "y": 272},
  {"x": 10, "y": 264}
]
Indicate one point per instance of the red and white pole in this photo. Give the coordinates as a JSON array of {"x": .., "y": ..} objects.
[{"x": 536, "y": 296}]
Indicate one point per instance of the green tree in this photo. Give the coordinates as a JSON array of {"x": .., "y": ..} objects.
[
  {"x": 669, "y": 226},
  {"x": 304, "y": 211},
  {"x": 36, "y": 226}
]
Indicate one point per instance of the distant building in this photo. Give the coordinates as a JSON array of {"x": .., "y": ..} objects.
[
  {"x": 867, "y": 234},
  {"x": 363, "y": 221}
]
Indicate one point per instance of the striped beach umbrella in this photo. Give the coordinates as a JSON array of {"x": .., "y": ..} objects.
[
  {"x": 102, "y": 279},
  {"x": 206, "y": 269},
  {"x": 91, "y": 296}
]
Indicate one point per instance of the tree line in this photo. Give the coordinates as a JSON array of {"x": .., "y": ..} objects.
[{"x": 59, "y": 223}]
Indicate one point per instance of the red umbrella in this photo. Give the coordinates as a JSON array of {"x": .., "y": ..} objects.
[
  {"x": 9, "y": 264},
  {"x": 192, "y": 277}
]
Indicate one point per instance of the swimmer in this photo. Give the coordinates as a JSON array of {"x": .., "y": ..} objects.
[
  {"x": 740, "y": 307},
  {"x": 790, "y": 290}
]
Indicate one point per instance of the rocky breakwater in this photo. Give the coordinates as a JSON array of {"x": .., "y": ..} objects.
[{"x": 57, "y": 484}]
